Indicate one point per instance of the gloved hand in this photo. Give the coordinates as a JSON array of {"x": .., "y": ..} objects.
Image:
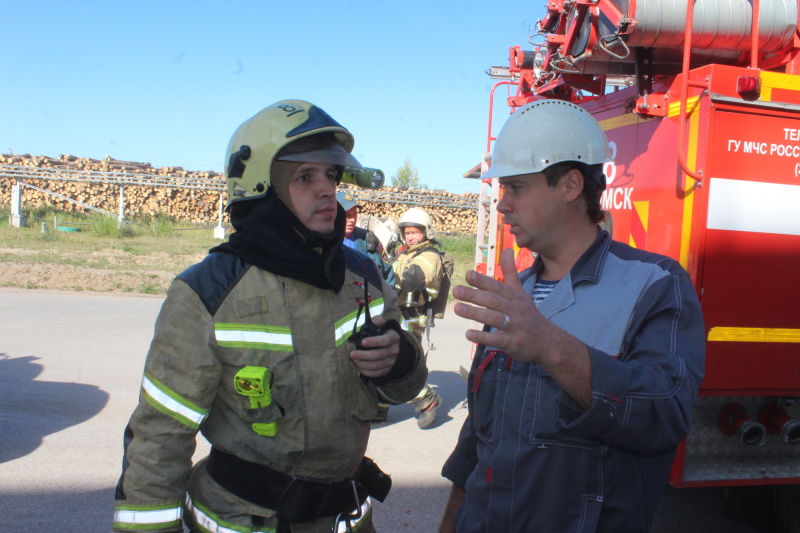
[{"x": 413, "y": 279}]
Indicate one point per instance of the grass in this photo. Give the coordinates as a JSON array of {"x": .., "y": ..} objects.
[
  {"x": 138, "y": 258},
  {"x": 104, "y": 256},
  {"x": 462, "y": 248}
]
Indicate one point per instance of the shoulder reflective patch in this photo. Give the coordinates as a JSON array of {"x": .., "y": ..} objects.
[
  {"x": 254, "y": 336},
  {"x": 427, "y": 263},
  {"x": 343, "y": 328},
  {"x": 171, "y": 404},
  {"x": 134, "y": 517}
]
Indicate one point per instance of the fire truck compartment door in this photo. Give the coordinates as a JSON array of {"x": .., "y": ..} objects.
[{"x": 750, "y": 290}]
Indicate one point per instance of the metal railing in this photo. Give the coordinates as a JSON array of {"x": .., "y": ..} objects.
[
  {"x": 422, "y": 198},
  {"x": 113, "y": 178}
]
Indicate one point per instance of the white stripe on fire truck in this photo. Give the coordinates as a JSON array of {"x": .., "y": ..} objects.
[
  {"x": 171, "y": 404},
  {"x": 254, "y": 336},
  {"x": 752, "y": 206}
]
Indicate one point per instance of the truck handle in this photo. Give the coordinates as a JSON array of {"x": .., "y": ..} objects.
[
  {"x": 685, "y": 83},
  {"x": 687, "y": 54}
]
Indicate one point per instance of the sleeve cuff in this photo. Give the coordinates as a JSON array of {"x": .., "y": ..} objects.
[
  {"x": 406, "y": 360},
  {"x": 603, "y": 415},
  {"x": 457, "y": 469}
]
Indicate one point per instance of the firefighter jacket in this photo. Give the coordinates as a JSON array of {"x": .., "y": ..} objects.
[
  {"x": 219, "y": 316},
  {"x": 531, "y": 459},
  {"x": 413, "y": 303}
]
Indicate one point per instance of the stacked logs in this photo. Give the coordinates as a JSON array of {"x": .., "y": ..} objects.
[
  {"x": 197, "y": 205},
  {"x": 186, "y": 201},
  {"x": 446, "y": 218}
]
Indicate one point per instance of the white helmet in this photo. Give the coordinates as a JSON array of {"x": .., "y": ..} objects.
[
  {"x": 417, "y": 217},
  {"x": 543, "y": 133}
]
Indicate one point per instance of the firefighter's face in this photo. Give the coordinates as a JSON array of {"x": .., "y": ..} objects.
[
  {"x": 351, "y": 217},
  {"x": 532, "y": 209},
  {"x": 413, "y": 235},
  {"x": 312, "y": 190}
]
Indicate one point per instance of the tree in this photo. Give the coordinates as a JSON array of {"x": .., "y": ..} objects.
[{"x": 407, "y": 177}]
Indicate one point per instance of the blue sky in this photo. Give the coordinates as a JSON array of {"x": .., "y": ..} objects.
[{"x": 168, "y": 82}]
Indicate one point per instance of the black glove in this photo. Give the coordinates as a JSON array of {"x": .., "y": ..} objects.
[{"x": 413, "y": 279}]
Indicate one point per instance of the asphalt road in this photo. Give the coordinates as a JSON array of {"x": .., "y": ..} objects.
[{"x": 70, "y": 370}]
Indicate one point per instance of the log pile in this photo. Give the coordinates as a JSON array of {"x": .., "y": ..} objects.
[
  {"x": 194, "y": 196},
  {"x": 392, "y": 202},
  {"x": 141, "y": 202}
]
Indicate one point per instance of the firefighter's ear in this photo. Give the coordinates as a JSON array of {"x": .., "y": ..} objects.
[{"x": 572, "y": 184}]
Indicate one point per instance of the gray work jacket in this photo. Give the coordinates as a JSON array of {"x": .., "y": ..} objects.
[{"x": 531, "y": 459}]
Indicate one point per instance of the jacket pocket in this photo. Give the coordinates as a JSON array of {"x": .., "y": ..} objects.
[
  {"x": 364, "y": 405},
  {"x": 541, "y": 412},
  {"x": 488, "y": 380},
  {"x": 263, "y": 415},
  {"x": 360, "y": 394}
]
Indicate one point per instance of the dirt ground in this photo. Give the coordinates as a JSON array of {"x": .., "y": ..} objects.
[{"x": 119, "y": 272}]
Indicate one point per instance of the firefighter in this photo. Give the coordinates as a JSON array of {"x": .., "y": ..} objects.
[
  {"x": 251, "y": 349},
  {"x": 418, "y": 274},
  {"x": 585, "y": 374},
  {"x": 362, "y": 239}
]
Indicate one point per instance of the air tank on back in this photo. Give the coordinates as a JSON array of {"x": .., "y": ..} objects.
[{"x": 721, "y": 33}]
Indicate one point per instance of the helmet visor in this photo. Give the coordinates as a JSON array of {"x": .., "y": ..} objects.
[{"x": 332, "y": 153}]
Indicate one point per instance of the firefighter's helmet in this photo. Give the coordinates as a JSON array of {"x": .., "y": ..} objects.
[
  {"x": 419, "y": 218},
  {"x": 545, "y": 132},
  {"x": 272, "y": 134}
]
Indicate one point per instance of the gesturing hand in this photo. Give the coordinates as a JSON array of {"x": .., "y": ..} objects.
[
  {"x": 521, "y": 328},
  {"x": 522, "y": 332}
]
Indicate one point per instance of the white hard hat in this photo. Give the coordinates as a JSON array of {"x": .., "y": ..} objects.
[
  {"x": 543, "y": 133},
  {"x": 417, "y": 217}
]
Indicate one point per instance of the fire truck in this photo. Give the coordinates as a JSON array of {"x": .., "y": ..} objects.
[{"x": 701, "y": 106}]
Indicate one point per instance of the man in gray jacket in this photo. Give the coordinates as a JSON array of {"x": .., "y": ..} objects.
[{"x": 589, "y": 362}]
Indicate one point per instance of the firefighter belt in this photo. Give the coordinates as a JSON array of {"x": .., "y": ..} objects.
[{"x": 296, "y": 499}]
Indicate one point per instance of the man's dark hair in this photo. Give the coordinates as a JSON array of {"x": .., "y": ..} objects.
[{"x": 591, "y": 189}]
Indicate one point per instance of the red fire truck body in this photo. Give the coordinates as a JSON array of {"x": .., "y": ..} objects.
[{"x": 706, "y": 169}]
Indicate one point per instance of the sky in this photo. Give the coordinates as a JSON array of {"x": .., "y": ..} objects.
[{"x": 169, "y": 82}]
